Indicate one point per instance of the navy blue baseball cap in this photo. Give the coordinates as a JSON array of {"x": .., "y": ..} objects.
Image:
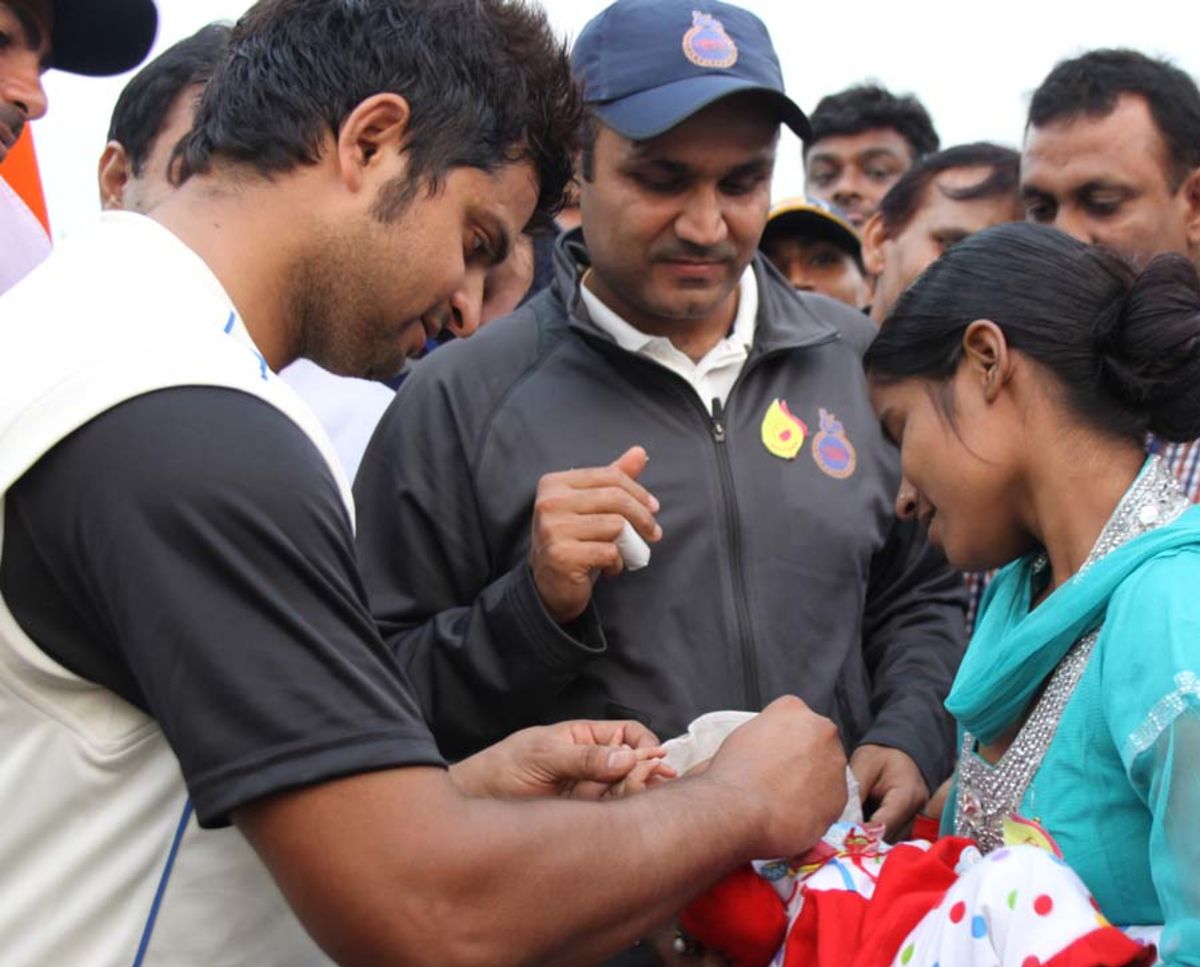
[
  {"x": 98, "y": 38},
  {"x": 647, "y": 65}
]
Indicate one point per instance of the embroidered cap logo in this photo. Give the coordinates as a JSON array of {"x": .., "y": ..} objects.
[{"x": 706, "y": 44}]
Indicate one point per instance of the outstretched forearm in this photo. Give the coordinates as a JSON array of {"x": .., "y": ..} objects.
[
  {"x": 645, "y": 860},
  {"x": 398, "y": 867}
]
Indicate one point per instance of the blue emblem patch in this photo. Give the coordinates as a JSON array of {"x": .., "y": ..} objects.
[
  {"x": 706, "y": 44},
  {"x": 831, "y": 450}
]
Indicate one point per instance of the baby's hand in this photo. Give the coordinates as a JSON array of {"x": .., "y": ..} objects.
[{"x": 649, "y": 772}]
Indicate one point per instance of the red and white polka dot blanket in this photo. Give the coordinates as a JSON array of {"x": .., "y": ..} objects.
[{"x": 854, "y": 901}]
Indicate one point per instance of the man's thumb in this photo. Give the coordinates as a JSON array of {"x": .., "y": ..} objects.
[
  {"x": 632, "y": 462},
  {"x": 597, "y": 763},
  {"x": 889, "y": 811}
]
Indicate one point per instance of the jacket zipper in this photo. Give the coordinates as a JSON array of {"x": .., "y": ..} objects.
[
  {"x": 741, "y": 596},
  {"x": 718, "y": 428},
  {"x": 718, "y": 420}
]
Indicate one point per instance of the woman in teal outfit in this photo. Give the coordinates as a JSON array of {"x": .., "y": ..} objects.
[{"x": 1021, "y": 376}]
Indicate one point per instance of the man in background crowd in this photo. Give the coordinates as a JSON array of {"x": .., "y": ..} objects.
[
  {"x": 1112, "y": 156},
  {"x": 96, "y": 38},
  {"x": 152, "y": 114},
  {"x": 942, "y": 199},
  {"x": 817, "y": 250},
  {"x": 863, "y": 139}
]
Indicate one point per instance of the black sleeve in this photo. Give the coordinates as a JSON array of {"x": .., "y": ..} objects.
[
  {"x": 477, "y": 643},
  {"x": 913, "y": 641},
  {"x": 207, "y": 567}
]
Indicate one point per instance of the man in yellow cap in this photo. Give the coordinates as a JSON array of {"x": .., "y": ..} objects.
[{"x": 817, "y": 249}]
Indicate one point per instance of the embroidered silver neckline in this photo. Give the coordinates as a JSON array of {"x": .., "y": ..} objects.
[
  {"x": 1153, "y": 500},
  {"x": 988, "y": 793}
]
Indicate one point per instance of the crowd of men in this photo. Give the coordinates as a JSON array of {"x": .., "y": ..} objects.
[{"x": 633, "y": 478}]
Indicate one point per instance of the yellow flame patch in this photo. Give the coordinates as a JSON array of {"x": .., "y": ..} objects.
[{"x": 782, "y": 433}]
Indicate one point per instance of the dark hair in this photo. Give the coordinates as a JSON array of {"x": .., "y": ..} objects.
[
  {"x": 1089, "y": 86},
  {"x": 147, "y": 99},
  {"x": 1124, "y": 345},
  {"x": 487, "y": 83},
  {"x": 905, "y": 198},
  {"x": 868, "y": 106},
  {"x": 588, "y": 132}
]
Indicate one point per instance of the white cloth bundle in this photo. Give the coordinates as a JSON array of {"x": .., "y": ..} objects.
[{"x": 705, "y": 735}]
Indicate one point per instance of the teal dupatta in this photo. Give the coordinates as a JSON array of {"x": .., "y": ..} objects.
[{"x": 1014, "y": 649}]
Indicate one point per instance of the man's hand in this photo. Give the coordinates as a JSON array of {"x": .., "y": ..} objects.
[
  {"x": 889, "y": 778},
  {"x": 582, "y": 760},
  {"x": 577, "y": 517},
  {"x": 789, "y": 760}
]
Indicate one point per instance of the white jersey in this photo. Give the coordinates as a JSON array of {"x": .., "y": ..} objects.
[{"x": 101, "y": 861}]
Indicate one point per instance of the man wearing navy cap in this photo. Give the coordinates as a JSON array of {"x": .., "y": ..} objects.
[{"x": 670, "y": 384}]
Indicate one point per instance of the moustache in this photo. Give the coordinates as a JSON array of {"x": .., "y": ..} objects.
[
  {"x": 693, "y": 253},
  {"x": 13, "y": 119}
]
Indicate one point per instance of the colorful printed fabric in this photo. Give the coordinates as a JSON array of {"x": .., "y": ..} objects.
[
  {"x": 865, "y": 904},
  {"x": 1019, "y": 907}
]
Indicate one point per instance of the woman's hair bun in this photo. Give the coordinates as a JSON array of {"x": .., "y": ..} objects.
[
  {"x": 1123, "y": 344},
  {"x": 1148, "y": 347}
]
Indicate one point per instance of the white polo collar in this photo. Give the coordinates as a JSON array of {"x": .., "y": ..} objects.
[{"x": 631, "y": 339}]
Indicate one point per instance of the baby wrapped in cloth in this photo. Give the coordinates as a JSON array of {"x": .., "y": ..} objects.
[{"x": 855, "y": 901}]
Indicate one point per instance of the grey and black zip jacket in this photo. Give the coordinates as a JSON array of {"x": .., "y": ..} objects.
[{"x": 773, "y": 575}]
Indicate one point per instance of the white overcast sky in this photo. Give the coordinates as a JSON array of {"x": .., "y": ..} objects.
[{"x": 973, "y": 64}]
